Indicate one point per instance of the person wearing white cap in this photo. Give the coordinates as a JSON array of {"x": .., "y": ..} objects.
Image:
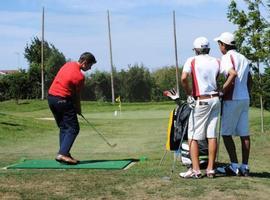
[
  {"x": 203, "y": 70},
  {"x": 235, "y": 105}
]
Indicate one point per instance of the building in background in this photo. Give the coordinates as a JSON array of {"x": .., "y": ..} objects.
[{"x": 6, "y": 72}]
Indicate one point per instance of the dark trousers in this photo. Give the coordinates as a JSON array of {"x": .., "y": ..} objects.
[{"x": 66, "y": 118}]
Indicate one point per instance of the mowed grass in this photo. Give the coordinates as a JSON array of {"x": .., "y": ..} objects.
[{"x": 140, "y": 131}]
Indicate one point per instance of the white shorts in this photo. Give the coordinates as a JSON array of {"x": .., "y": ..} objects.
[
  {"x": 203, "y": 119},
  {"x": 235, "y": 118}
]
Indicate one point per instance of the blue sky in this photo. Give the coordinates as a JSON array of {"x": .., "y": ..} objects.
[{"x": 142, "y": 30}]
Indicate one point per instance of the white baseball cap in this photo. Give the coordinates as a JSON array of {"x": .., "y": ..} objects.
[
  {"x": 201, "y": 43},
  {"x": 227, "y": 38}
]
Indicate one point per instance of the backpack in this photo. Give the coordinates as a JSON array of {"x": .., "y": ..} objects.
[
  {"x": 177, "y": 136},
  {"x": 177, "y": 126}
]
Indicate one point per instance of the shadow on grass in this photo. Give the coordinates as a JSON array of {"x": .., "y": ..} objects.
[
  {"x": 265, "y": 175},
  {"x": 10, "y": 124},
  {"x": 100, "y": 161},
  {"x": 252, "y": 174},
  {"x": 260, "y": 174}
]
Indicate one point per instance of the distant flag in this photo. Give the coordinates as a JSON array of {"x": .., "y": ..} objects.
[{"x": 118, "y": 100}]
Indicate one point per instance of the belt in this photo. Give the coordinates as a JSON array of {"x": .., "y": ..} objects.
[
  {"x": 203, "y": 103},
  {"x": 207, "y": 96},
  {"x": 59, "y": 97}
]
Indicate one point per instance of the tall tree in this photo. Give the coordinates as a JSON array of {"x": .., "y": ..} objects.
[
  {"x": 53, "y": 63},
  {"x": 136, "y": 84},
  {"x": 53, "y": 60},
  {"x": 32, "y": 51},
  {"x": 17, "y": 85},
  {"x": 251, "y": 38},
  {"x": 164, "y": 79}
]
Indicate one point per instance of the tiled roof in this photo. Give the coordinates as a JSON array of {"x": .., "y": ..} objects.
[{"x": 8, "y": 71}]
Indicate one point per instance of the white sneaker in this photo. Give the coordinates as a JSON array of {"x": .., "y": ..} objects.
[{"x": 191, "y": 174}]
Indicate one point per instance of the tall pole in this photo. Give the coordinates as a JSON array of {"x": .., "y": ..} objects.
[
  {"x": 111, "y": 58},
  {"x": 175, "y": 51},
  {"x": 42, "y": 56}
]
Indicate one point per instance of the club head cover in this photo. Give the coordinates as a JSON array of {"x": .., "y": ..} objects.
[
  {"x": 172, "y": 94},
  {"x": 191, "y": 102}
]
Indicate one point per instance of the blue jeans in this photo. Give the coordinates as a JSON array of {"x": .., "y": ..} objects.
[{"x": 66, "y": 118}]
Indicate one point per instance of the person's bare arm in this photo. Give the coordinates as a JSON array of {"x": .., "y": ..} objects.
[
  {"x": 185, "y": 83},
  {"x": 230, "y": 80}
]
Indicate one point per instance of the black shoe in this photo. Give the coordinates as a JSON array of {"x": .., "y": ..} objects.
[
  {"x": 244, "y": 172},
  {"x": 228, "y": 171}
]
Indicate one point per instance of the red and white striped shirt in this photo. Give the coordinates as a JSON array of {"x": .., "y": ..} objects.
[
  {"x": 204, "y": 70},
  {"x": 235, "y": 60}
]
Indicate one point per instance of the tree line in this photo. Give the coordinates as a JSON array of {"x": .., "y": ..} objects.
[{"x": 134, "y": 84}]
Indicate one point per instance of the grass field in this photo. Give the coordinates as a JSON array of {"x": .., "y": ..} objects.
[{"x": 140, "y": 131}]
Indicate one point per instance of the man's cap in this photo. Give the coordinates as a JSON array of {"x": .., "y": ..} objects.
[
  {"x": 201, "y": 43},
  {"x": 227, "y": 38}
]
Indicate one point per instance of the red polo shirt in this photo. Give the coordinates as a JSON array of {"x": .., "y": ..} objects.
[{"x": 68, "y": 81}]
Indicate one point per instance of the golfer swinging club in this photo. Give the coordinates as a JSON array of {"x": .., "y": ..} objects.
[
  {"x": 204, "y": 71},
  {"x": 64, "y": 102}
]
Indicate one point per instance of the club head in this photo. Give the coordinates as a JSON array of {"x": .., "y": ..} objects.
[{"x": 113, "y": 145}]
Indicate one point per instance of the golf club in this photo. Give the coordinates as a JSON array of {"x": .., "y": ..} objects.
[
  {"x": 100, "y": 134},
  {"x": 219, "y": 129}
]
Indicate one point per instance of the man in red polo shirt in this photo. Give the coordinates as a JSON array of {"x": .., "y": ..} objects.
[{"x": 64, "y": 102}]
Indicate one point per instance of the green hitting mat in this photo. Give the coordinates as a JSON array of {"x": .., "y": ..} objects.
[{"x": 85, "y": 164}]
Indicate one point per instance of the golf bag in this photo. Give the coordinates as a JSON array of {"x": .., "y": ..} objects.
[{"x": 177, "y": 136}]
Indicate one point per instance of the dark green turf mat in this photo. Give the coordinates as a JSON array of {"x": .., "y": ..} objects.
[{"x": 85, "y": 164}]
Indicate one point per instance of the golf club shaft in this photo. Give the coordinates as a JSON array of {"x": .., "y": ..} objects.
[
  {"x": 219, "y": 130},
  {"x": 100, "y": 134},
  {"x": 162, "y": 159}
]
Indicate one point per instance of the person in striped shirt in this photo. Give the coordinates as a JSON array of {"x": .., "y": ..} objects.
[
  {"x": 203, "y": 70},
  {"x": 236, "y": 101}
]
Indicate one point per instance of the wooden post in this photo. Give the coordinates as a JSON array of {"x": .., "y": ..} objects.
[
  {"x": 42, "y": 56},
  {"x": 175, "y": 51},
  {"x": 111, "y": 58}
]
